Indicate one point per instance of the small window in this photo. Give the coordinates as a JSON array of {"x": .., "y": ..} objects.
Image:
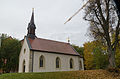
[
  {"x": 57, "y": 62},
  {"x": 71, "y": 63},
  {"x": 42, "y": 61},
  {"x": 24, "y": 50}
]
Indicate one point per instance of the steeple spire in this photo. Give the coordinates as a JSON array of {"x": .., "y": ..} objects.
[
  {"x": 32, "y": 17},
  {"x": 31, "y": 27}
]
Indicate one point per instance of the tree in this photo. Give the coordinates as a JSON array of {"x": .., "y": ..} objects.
[
  {"x": 9, "y": 52},
  {"x": 100, "y": 59},
  {"x": 104, "y": 22},
  {"x": 2, "y": 37},
  {"x": 88, "y": 55},
  {"x": 117, "y": 3},
  {"x": 95, "y": 55},
  {"x": 117, "y": 56},
  {"x": 0, "y": 59},
  {"x": 79, "y": 49}
]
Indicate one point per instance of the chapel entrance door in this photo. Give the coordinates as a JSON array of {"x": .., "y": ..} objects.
[{"x": 24, "y": 66}]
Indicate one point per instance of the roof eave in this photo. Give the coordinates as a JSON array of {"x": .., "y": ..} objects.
[
  {"x": 76, "y": 51},
  {"x": 54, "y": 52}
]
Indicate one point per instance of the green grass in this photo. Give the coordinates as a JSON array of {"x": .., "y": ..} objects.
[{"x": 88, "y": 74}]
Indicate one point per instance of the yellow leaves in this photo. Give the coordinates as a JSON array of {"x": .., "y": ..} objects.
[
  {"x": 89, "y": 54},
  {"x": 117, "y": 56}
]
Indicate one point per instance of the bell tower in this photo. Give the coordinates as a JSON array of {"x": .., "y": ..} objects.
[{"x": 31, "y": 27}]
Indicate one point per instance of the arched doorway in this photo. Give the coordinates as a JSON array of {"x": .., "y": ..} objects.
[{"x": 24, "y": 66}]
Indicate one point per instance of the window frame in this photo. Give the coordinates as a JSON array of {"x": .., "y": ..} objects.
[
  {"x": 58, "y": 64},
  {"x": 43, "y": 61}
]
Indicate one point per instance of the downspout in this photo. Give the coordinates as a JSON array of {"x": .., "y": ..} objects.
[{"x": 32, "y": 59}]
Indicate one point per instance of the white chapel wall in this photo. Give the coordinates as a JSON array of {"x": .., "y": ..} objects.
[
  {"x": 24, "y": 56},
  {"x": 50, "y": 62}
]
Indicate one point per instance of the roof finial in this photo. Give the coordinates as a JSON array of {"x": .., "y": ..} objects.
[
  {"x": 68, "y": 39},
  {"x": 33, "y": 10}
]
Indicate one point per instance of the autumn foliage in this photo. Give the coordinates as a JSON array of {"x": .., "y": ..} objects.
[{"x": 95, "y": 55}]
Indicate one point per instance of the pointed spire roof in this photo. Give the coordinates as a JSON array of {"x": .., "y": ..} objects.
[
  {"x": 31, "y": 24},
  {"x": 32, "y": 17}
]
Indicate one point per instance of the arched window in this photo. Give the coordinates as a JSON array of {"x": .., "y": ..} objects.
[
  {"x": 42, "y": 61},
  {"x": 24, "y": 66},
  {"x": 24, "y": 50},
  {"x": 71, "y": 63},
  {"x": 57, "y": 62}
]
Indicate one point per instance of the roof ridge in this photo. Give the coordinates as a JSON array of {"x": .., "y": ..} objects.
[{"x": 53, "y": 40}]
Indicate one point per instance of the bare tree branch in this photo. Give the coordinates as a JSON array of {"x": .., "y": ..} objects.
[
  {"x": 92, "y": 21},
  {"x": 116, "y": 35}
]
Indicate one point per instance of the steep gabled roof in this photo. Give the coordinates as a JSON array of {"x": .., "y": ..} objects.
[{"x": 50, "y": 46}]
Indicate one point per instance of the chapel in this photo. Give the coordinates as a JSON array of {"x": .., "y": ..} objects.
[{"x": 44, "y": 55}]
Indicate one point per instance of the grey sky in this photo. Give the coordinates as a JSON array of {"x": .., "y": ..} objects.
[{"x": 50, "y": 16}]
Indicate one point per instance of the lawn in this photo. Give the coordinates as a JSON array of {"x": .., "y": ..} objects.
[{"x": 87, "y": 74}]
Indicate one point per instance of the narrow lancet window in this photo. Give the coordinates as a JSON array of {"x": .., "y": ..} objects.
[
  {"x": 71, "y": 63},
  {"x": 42, "y": 61},
  {"x": 57, "y": 62}
]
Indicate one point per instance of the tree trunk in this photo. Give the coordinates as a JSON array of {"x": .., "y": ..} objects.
[{"x": 111, "y": 58}]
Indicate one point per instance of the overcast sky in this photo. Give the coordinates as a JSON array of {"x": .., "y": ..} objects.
[{"x": 50, "y": 16}]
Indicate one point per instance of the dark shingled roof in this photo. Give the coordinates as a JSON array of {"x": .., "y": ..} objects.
[{"x": 39, "y": 44}]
